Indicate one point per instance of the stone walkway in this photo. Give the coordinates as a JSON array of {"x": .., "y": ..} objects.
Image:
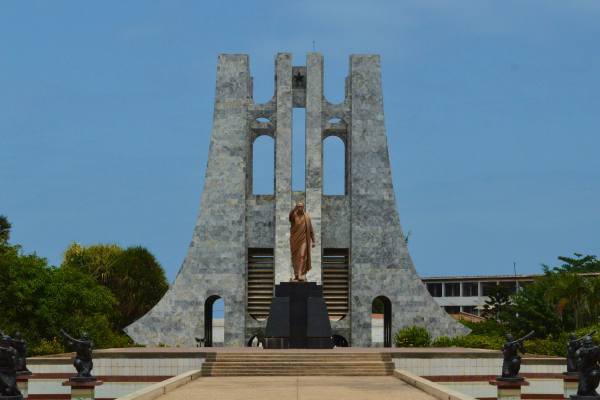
[{"x": 297, "y": 388}]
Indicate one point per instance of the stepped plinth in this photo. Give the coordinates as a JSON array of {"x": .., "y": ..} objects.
[{"x": 298, "y": 318}]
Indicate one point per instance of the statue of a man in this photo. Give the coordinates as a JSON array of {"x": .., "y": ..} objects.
[
  {"x": 20, "y": 346},
  {"x": 301, "y": 234},
  {"x": 83, "y": 360},
  {"x": 589, "y": 370},
  {"x": 8, "y": 369},
  {"x": 512, "y": 360},
  {"x": 573, "y": 345}
]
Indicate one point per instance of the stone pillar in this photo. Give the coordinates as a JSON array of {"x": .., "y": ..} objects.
[
  {"x": 83, "y": 390},
  {"x": 283, "y": 167},
  {"x": 314, "y": 156},
  {"x": 509, "y": 390},
  {"x": 23, "y": 383},
  {"x": 570, "y": 384}
]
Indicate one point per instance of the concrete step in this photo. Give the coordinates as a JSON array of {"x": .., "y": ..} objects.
[
  {"x": 297, "y": 364},
  {"x": 298, "y": 373}
]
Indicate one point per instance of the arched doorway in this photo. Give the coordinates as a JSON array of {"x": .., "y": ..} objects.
[
  {"x": 382, "y": 308},
  {"x": 208, "y": 320},
  {"x": 339, "y": 341}
]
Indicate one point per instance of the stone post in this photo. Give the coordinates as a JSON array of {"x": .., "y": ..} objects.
[
  {"x": 283, "y": 167},
  {"x": 570, "y": 384},
  {"x": 314, "y": 156},
  {"x": 509, "y": 390},
  {"x": 23, "y": 383},
  {"x": 83, "y": 390}
]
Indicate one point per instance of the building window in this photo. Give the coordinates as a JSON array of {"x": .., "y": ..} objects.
[
  {"x": 435, "y": 289},
  {"x": 511, "y": 285},
  {"x": 470, "y": 310},
  {"x": 470, "y": 289},
  {"x": 485, "y": 286},
  {"x": 452, "y": 309},
  {"x": 452, "y": 289}
]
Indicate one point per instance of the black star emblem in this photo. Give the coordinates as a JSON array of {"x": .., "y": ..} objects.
[{"x": 298, "y": 79}]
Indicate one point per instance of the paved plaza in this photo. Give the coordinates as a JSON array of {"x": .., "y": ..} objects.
[{"x": 297, "y": 387}]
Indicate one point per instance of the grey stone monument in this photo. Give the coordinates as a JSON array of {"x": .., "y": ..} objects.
[{"x": 236, "y": 230}]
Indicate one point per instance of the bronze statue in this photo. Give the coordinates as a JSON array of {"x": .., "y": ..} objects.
[
  {"x": 20, "y": 346},
  {"x": 301, "y": 234},
  {"x": 83, "y": 360},
  {"x": 512, "y": 360},
  {"x": 8, "y": 369},
  {"x": 589, "y": 370},
  {"x": 573, "y": 345}
]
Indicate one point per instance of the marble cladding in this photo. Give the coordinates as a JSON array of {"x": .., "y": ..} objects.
[
  {"x": 465, "y": 366},
  {"x": 380, "y": 262},
  {"x": 260, "y": 221},
  {"x": 231, "y": 218},
  {"x": 538, "y": 387},
  {"x": 127, "y": 367},
  {"x": 336, "y": 222}
]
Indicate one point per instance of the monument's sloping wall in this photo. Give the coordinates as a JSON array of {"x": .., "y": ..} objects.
[
  {"x": 381, "y": 264},
  {"x": 214, "y": 264},
  {"x": 232, "y": 219}
]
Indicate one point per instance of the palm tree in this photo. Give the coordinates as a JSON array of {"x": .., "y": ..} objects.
[
  {"x": 569, "y": 289},
  {"x": 593, "y": 299}
]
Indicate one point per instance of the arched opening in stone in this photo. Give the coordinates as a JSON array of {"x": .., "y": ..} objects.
[
  {"x": 339, "y": 341},
  {"x": 255, "y": 341},
  {"x": 299, "y": 149},
  {"x": 214, "y": 318},
  {"x": 334, "y": 166},
  {"x": 381, "y": 322},
  {"x": 263, "y": 165}
]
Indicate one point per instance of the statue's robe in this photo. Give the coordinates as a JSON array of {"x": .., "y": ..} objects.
[
  {"x": 572, "y": 347},
  {"x": 8, "y": 373},
  {"x": 301, "y": 233},
  {"x": 589, "y": 371}
]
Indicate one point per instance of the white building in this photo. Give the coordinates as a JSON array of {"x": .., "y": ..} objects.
[{"x": 468, "y": 293}]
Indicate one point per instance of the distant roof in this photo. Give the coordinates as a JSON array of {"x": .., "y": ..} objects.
[{"x": 491, "y": 277}]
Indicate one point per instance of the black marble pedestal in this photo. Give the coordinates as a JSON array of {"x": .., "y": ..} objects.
[{"x": 298, "y": 318}]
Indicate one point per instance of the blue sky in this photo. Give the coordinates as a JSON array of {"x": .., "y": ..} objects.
[{"x": 492, "y": 115}]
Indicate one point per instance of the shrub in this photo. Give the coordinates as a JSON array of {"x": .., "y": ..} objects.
[
  {"x": 412, "y": 336},
  {"x": 46, "y": 348}
]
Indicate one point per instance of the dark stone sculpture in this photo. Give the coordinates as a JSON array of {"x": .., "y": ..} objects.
[
  {"x": 8, "y": 371},
  {"x": 298, "y": 318},
  {"x": 83, "y": 360},
  {"x": 589, "y": 370},
  {"x": 573, "y": 345},
  {"x": 512, "y": 359},
  {"x": 20, "y": 346}
]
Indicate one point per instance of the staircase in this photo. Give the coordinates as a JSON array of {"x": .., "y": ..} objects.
[{"x": 293, "y": 364}]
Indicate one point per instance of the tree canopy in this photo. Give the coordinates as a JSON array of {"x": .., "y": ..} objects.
[
  {"x": 4, "y": 228},
  {"x": 133, "y": 275}
]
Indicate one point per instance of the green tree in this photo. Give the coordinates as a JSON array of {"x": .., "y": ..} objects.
[
  {"x": 133, "y": 275},
  {"x": 568, "y": 289},
  {"x": 531, "y": 311},
  {"x": 580, "y": 264},
  {"x": 38, "y": 301},
  {"x": 4, "y": 228},
  {"x": 499, "y": 307},
  {"x": 377, "y": 306}
]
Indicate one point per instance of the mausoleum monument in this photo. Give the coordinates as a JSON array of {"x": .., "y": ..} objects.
[{"x": 241, "y": 245}]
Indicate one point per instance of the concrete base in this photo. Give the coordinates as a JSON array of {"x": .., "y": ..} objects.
[
  {"x": 23, "y": 382},
  {"x": 570, "y": 382},
  {"x": 575, "y": 397},
  {"x": 83, "y": 390},
  {"x": 83, "y": 379},
  {"x": 19, "y": 397},
  {"x": 515, "y": 379},
  {"x": 509, "y": 390}
]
